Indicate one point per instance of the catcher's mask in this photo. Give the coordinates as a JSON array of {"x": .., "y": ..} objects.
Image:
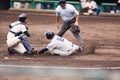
[
  {"x": 22, "y": 17},
  {"x": 49, "y": 34}
]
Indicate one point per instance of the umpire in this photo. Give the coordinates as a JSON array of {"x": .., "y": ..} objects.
[{"x": 70, "y": 17}]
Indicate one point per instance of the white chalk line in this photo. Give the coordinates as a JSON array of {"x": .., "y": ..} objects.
[
  {"x": 77, "y": 58},
  {"x": 53, "y": 67}
]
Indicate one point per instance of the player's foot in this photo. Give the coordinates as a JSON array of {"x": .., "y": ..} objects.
[
  {"x": 80, "y": 49},
  {"x": 26, "y": 54},
  {"x": 34, "y": 52},
  {"x": 32, "y": 49},
  {"x": 82, "y": 44},
  {"x": 30, "y": 53},
  {"x": 11, "y": 51}
]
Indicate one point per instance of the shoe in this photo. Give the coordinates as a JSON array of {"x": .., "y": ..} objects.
[
  {"x": 26, "y": 54},
  {"x": 30, "y": 53},
  {"x": 32, "y": 49},
  {"x": 80, "y": 49},
  {"x": 33, "y": 52},
  {"x": 12, "y": 51},
  {"x": 82, "y": 45}
]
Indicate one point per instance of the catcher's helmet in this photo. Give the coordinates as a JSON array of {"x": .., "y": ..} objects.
[
  {"x": 22, "y": 17},
  {"x": 49, "y": 34},
  {"x": 62, "y": 2}
]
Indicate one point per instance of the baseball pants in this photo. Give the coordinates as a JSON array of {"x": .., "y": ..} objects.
[
  {"x": 16, "y": 44},
  {"x": 66, "y": 26},
  {"x": 65, "y": 53}
]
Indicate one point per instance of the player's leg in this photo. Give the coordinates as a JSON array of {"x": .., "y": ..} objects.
[
  {"x": 20, "y": 48},
  {"x": 11, "y": 44},
  {"x": 13, "y": 41},
  {"x": 26, "y": 43},
  {"x": 76, "y": 34},
  {"x": 12, "y": 51},
  {"x": 60, "y": 53},
  {"x": 16, "y": 49},
  {"x": 77, "y": 48},
  {"x": 63, "y": 29},
  {"x": 78, "y": 38}
]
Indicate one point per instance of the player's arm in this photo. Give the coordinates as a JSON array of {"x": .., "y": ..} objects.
[
  {"x": 57, "y": 21},
  {"x": 27, "y": 33},
  {"x": 25, "y": 30},
  {"x": 43, "y": 50},
  {"x": 57, "y": 17},
  {"x": 50, "y": 47},
  {"x": 10, "y": 26},
  {"x": 77, "y": 18}
]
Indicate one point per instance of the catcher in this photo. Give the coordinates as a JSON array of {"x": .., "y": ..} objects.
[
  {"x": 59, "y": 45},
  {"x": 70, "y": 17},
  {"x": 17, "y": 37}
]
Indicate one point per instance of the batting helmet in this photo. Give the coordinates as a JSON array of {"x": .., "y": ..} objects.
[
  {"x": 62, "y": 2},
  {"x": 22, "y": 17},
  {"x": 49, "y": 34}
]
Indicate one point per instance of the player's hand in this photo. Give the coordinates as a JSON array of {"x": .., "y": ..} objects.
[{"x": 76, "y": 23}]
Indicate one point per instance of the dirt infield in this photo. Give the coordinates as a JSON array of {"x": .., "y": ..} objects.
[{"x": 95, "y": 31}]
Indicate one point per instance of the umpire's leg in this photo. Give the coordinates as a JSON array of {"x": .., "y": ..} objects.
[
  {"x": 77, "y": 35},
  {"x": 63, "y": 29},
  {"x": 78, "y": 38}
]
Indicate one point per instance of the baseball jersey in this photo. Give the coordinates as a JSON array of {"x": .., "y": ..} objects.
[
  {"x": 16, "y": 27},
  {"x": 83, "y": 2},
  {"x": 92, "y": 3},
  {"x": 60, "y": 43},
  {"x": 68, "y": 13},
  {"x": 118, "y": 1}
]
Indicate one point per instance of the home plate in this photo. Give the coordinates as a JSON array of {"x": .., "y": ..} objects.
[{"x": 114, "y": 50}]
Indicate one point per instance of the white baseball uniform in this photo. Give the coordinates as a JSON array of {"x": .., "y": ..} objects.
[
  {"x": 12, "y": 40},
  {"x": 118, "y": 1},
  {"x": 83, "y": 2},
  {"x": 92, "y": 5},
  {"x": 61, "y": 46}
]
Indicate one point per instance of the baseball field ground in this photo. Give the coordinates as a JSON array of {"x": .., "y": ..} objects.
[{"x": 101, "y": 35}]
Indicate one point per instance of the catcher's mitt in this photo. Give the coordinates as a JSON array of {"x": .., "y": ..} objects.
[{"x": 75, "y": 29}]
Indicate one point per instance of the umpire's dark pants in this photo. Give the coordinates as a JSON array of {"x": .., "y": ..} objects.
[{"x": 67, "y": 25}]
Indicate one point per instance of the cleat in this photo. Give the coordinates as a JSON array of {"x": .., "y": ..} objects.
[
  {"x": 82, "y": 44},
  {"x": 12, "y": 51},
  {"x": 30, "y": 53},
  {"x": 80, "y": 49},
  {"x": 33, "y": 52}
]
